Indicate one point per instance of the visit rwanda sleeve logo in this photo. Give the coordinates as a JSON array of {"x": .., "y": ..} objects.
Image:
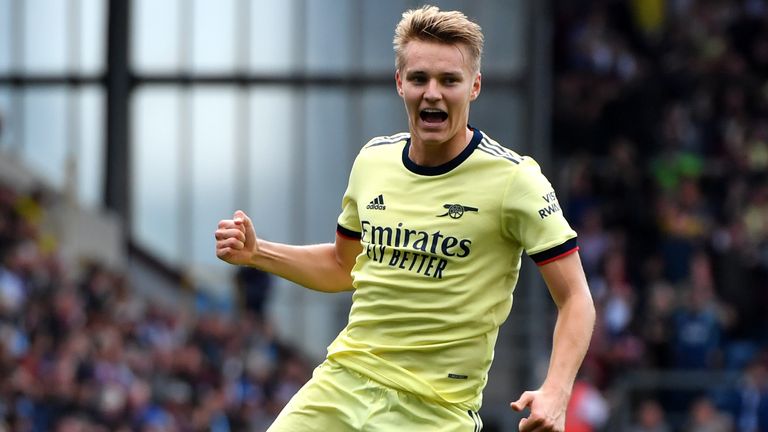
[{"x": 553, "y": 206}]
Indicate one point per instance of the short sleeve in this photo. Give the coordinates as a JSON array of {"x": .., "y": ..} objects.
[
  {"x": 533, "y": 217},
  {"x": 349, "y": 219}
]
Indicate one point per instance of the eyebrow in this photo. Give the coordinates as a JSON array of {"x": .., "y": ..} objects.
[{"x": 441, "y": 74}]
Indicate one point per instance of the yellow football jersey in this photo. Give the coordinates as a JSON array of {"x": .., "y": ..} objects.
[{"x": 441, "y": 256}]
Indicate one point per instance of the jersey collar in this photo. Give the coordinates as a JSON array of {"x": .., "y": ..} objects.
[{"x": 477, "y": 136}]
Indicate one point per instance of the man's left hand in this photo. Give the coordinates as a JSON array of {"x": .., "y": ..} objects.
[{"x": 547, "y": 411}]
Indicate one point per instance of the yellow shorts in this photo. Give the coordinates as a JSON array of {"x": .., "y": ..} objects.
[{"x": 339, "y": 400}]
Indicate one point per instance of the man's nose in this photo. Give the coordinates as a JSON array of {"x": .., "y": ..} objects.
[{"x": 433, "y": 90}]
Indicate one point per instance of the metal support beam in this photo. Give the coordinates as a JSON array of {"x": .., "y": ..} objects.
[
  {"x": 538, "y": 112},
  {"x": 117, "y": 193}
]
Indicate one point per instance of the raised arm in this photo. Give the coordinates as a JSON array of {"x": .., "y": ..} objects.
[
  {"x": 573, "y": 331},
  {"x": 321, "y": 267}
]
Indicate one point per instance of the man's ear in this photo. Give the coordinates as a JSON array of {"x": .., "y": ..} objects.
[
  {"x": 399, "y": 82},
  {"x": 476, "y": 85}
]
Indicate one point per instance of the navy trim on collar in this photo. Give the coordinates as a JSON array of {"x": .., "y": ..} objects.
[{"x": 446, "y": 167}]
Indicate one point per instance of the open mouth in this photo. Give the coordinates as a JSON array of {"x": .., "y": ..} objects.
[{"x": 432, "y": 115}]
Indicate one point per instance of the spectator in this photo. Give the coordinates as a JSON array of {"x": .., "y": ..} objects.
[
  {"x": 696, "y": 332},
  {"x": 650, "y": 418},
  {"x": 748, "y": 403},
  {"x": 253, "y": 287},
  {"x": 705, "y": 417},
  {"x": 656, "y": 328}
]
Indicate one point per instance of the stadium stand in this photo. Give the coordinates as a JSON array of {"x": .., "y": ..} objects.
[
  {"x": 661, "y": 127},
  {"x": 82, "y": 350}
]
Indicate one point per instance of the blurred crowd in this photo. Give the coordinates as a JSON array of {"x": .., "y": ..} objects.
[
  {"x": 81, "y": 351},
  {"x": 660, "y": 130},
  {"x": 660, "y": 135}
]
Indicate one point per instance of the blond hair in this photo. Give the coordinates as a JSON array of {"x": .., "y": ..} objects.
[{"x": 431, "y": 24}]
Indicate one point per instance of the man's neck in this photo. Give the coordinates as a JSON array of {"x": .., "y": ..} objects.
[{"x": 436, "y": 154}]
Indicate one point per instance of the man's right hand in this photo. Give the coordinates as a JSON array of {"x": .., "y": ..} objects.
[{"x": 236, "y": 241}]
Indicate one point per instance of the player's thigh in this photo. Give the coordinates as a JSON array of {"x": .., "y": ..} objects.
[
  {"x": 331, "y": 401},
  {"x": 413, "y": 413}
]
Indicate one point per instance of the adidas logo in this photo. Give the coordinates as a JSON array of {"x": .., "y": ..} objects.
[{"x": 377, "y": 203}]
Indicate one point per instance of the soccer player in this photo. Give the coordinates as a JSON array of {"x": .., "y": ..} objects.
[{"x": 430, "y": 238}]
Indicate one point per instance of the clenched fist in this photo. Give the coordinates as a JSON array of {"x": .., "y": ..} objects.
[{"x": 236, "y": 241}]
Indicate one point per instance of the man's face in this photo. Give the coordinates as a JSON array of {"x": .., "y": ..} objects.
[{"x": 437, "y": 83}]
